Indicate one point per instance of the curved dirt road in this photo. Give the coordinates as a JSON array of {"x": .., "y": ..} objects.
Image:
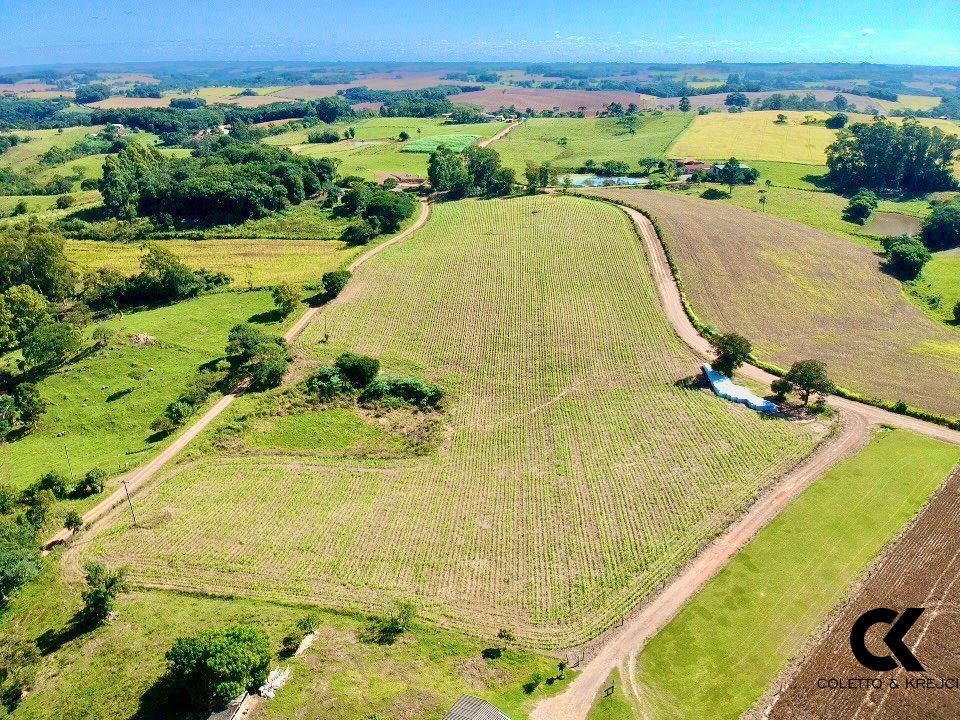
[
  {"x": 136, "y": 478},
  {"x": 623, "y": 647}
]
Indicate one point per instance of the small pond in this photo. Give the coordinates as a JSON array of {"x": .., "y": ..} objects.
[
  {"x": 888, "y": 224},
  {"x": 581, "y": 180}
]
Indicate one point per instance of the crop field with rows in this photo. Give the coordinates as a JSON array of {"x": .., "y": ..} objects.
[
  {"x": 456, "y": 143},
  {"x": 797, "y": 292},
  {"x": 567, "y": 143},
  {"x": 575, "y": 475}
]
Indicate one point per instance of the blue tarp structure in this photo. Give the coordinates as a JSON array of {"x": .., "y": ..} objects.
[{"x": 727, "y": 389}]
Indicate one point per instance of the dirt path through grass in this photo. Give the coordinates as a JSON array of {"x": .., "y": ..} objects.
[
  {"x": 133, "y": 480},
  {"x": 622, "y": 648},
  {"x": 499, "y": 136}
]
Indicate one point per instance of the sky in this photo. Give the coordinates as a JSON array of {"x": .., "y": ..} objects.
[{"x": 922, "y": 32}]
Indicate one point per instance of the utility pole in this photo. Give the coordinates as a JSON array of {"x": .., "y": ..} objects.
[
  {"x": 69, "y": 465},
  {"x": 129, "y": 502}
]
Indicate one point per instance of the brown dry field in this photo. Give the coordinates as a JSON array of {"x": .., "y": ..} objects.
[
  {"x": 921, "y": 569},
  {"x": 25, "y": 87},
  {"x": 132, "y": 102},
  {"x": 797, "y": 292},
  {"x": 541, "y": 99}
]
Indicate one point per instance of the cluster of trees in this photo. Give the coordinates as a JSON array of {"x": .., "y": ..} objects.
[
  {"x": 375, "y": 211},
  {"x": 145, "y": 90},
  {"x": 9, "y": 141},
  {"x": 477, "y": 171},
  {"x": 861, "y": 206},
  {"x": 23, "y": 183},
  {"x": 188, "y": 103},
  {"x": 883, "y": 156},
  {"x": 354, "y": 374},
  {"x": 226, "y": 181},
  {"x": 805, "y": 377},
  {"x": 428, "y": 102},
  {"x": 906, "y": 256},
  {"x": 108, "y": 141},
  {"x": 323, "y": 136},
  {"x": 257, "y": 355},
  {"x": 162, "y": 278},
  {"x": 941, "y": 230},
  {"x": 92, "y": 93}
]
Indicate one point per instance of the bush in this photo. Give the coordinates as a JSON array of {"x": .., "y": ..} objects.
[
  {"x": 942, "y": 229},
  {"x": 19, "y": 557},
  {"x": 835, "y": 122},
  {"x": 55, "y": 482},
  {"x": 714, "y": 194},
  {"x": 327, "y": 383},
  {"x": 359, "y": 232},
  {"x": 72, "y": 521},
  {"x": 213, "y": 667},
  {"x": 861, "y": 207},
  {"x": 64, "y": 201},
  {"x": 93, "y": 482},
  {"x": 103, "y": 586},
  {"x": 286, "y": 296},
  {"x": 409, "y": 390},
  {"x": 359, "y": 370},
  {"x": 334, "y": 282},
  {"x": 956, "y": 313},
  {"x": 781, "y": 388},
  {"x": 323, "y": 136},
  {"x": 906, "y": 257}
]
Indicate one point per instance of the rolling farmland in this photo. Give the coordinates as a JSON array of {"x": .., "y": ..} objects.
[
  {"x": 755, "y": 615},
  {"x": 567, "y": 143},
  {"x": 575, "y": 476},
  {"x": 797, "y": 293},
  {"x": 493, "y": 98},
  {"x": 919, "y": 570}
]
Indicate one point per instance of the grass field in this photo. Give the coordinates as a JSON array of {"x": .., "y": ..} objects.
[
  {"x": 376, "y": 150},
  {"x": 24, "y": 154},
  {"x": 918, "y": 102},
  {"x": 941, "y": 279},
  {"x": 732, "y": 639},
  {"x": 797, "y": 293},
  {"x": 45, "y": 204},
  {"x": 598, "y": 139},
  {"x": 100, "y": 407},
  {"x": 111, "y": 673},
  {"x": 757, "y": 136},
  {"x": 574, "y": 476},
  {"x": 456, "y": 143},
  {"x": 615, "y": 706}
]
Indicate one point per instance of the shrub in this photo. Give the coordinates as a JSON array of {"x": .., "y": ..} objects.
[
  {"x": 781, "y": 388},
  {"x": 213, "y": 667},
  {"x": 327, "y": 383},
  {"x": 409, "y": 390},
  {"x": 861, "y": 206},
  {"x": 906, "y": 257},
  {"x": 359, "y": 370},
  {"x": 359, "y": 232},
  {"x": 286, "y": 296},
  {"x": 103, "y": 586},
  {"x": 8, "y": 499},
  {"x": 942, "y": 229},
  {"x": 323, "y": 136},
  {"x": 956, "y": 313},
  {"x": 55, "y": 482},
  {"x": 19, "y": 557},
  {"x": 30, "y": 405},
  {"x": 64, "y": 201},
  {"x": 837, "y": 121},
  {"x": 93, "y": 482},
  {"x": 73, "y": 522},
  {"x": 334, "y": 282},
  {"x": 714, "y": 194}
]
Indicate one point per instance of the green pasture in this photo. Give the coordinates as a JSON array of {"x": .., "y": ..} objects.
[{"x": 733, "y": 638}]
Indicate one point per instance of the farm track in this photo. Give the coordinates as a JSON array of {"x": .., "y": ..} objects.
[
  {"x": 135, "y": 479},
  {"x": 499, "y": 136},
  {"x": 621, "y": 649}
]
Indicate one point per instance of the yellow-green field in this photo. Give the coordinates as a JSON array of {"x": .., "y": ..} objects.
[
  {"x": 568, "y": 143},
  {"x": 573, "y": 477},
  {"x": 19, "y": 156},
  {"x": 757, "y": 136},
  {"x": 918, "y": 102}
]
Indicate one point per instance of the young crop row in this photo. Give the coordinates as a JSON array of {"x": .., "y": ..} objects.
[{"x": 576, "y": 476}]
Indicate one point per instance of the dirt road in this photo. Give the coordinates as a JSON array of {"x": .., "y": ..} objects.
[
  {"x": 136, "y": 478},
  {"x": 623, "y": 647},
  {"x": 499, "y": 136}
]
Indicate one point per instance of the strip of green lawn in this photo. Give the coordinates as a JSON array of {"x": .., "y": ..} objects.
[{"x": 727, "y": 646}]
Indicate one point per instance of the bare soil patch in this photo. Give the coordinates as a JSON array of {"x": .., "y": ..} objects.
[
  {"x": 890, "y": 223},
  {"x": 542, "y": 99}
]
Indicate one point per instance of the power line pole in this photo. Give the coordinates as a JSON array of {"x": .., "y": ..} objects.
[
  {"x": 69, "y": 465},
  {"x": 129, "y": 502}
]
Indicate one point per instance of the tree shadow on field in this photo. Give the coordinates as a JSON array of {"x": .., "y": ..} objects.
[
  {"x": 160, "y": 702},
  {"x": 113, "y": 397},
  {"x": 818, "y": 181},
  {"x": 267, "y": 317},
  {"x": 692, "y": 382}
]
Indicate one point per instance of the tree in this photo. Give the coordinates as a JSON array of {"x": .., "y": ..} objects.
[
  {"x": 840, "y": 102},
  {"x": 732, "y": 351},
  {"x": 386, "y": 210},
  {"x": 956, "y": 313},
  {"x": 359, "y": 370},
  {"x": 38, "y": 508},
  {"x": 91, "y": 93},
  {"x": 73, "y": 522},
  {"x": 448, "y": 173},
  {"x": 93, "y": 482},
  {"x": 103, "y": 586},
  {"x": 737, "y": 99},
  {"x": 213, "y": 667},
  {"x": 22, "y": 310},
  {"x": 837, "y": 121},
  {"x": 261, "y": 356},
  {"x": 538, "y": 176},
  {"x": 30, "y": 405},
  {"x": 906, "y": 256},
  {"x": 50, "y": 344},
  {"x": 403, "y": 136},
  {"x": 861, "y": 206},
  {"x": 268, "y": 365},
  {"x": 808, "y": 377},
  {"x": 358, "y": 232},
  {"x": 19, "y": 666},
  {"x": 506, "y": 635},
  {"x": 942, "y": 229},
  {"x": 647, "y": 164},
  {"x": 8, "y": 499},
  {"x": 8, "y": 413},
  {"x": 54, "y": 481},
  {"x": 286, "y": 296},
  {"x": 323, "y": 136},
  {"x": 334, "y": 282},
  {"x": 684, "y": 104},
  {"x": 19, "y": 556},
  {"x": 781, "y": 119}
]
